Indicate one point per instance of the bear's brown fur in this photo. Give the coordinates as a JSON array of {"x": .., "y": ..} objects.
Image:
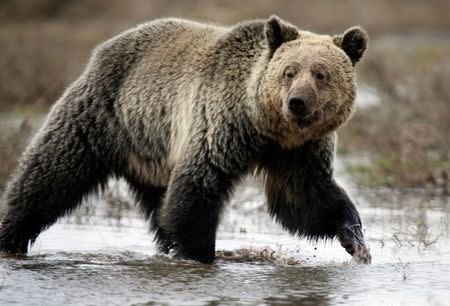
[{"x": 182, "y": 110}]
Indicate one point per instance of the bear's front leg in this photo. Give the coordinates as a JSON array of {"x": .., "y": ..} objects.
[
  {"x": 191, "y": 210},
  {"x": 348, "y": 222},
  {"x": 304, "y": 197}
]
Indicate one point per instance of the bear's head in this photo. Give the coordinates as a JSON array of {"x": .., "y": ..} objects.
[{"x": 307, "y": 87}]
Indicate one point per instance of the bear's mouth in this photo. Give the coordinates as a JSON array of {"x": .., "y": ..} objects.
[{"x": 307, "y": 120}]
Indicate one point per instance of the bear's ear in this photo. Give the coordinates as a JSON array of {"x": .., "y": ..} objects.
[
  {"x": 353, "y": 42},
  {"x": 278, "y": 32}
]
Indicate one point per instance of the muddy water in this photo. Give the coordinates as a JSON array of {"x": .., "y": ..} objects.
[{"x": 103, "y": 255}]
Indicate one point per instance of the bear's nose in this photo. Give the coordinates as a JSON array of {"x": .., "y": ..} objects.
[{"x": 297, "y": 105}]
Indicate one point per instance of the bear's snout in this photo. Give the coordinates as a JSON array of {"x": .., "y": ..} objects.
[
  {"x": 301, "y": 106},
  {"x": 302, "y": 98},
  {"x": 297, "y": 105}
]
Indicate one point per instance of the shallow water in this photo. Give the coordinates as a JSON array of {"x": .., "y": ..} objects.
[{"x": 103, "y": 255}]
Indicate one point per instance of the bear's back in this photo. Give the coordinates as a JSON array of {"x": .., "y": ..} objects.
[{"x": 155, "y": 102}]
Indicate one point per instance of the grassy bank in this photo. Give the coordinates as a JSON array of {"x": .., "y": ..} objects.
[{"x": 407, "y": 133}]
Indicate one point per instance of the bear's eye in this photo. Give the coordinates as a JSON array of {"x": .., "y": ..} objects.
[
  {"x": 320, "y": 76},
  {"x": 289, "y": 73}
]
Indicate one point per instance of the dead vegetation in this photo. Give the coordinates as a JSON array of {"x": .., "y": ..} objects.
[
  {"x": 403, "y": 268},
  {"x": 407, "y": 134},
  {"x": 255, "y": 255},
  {"x": 11, "y": 146}
]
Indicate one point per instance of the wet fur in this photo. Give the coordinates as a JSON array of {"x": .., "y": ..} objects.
[
  {"x": 170, "y": 106},
  {"x": 307, "y": 201}
]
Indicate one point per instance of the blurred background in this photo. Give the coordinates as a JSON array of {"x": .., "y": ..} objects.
[{"x": 399, "y": 136}]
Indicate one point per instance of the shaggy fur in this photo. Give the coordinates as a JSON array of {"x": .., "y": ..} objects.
[
  {"x": 307, "y": 201},
  {"x": 182, "y": 110}
]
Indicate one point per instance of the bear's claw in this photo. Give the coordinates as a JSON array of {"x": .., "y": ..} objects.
[
  {"x": 351, "y": 239},
  {"x": 361, "y": 254}
]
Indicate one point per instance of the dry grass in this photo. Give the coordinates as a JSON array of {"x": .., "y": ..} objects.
[
  {"x": 378, "y": 16},
  {"x": 403, "y": 268},
  {"x": 408, "y": 133},
  {"x": 252, "y": 255},
  {"x": 11, "y": 146},
  {"x": 39, "y": 62}
]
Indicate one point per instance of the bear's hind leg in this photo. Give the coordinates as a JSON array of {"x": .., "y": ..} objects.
[
  {"x": 149, "y": 199},
  {"x": 54, "y": 174}
]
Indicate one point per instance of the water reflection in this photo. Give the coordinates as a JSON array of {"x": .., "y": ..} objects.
[{"x": 103, "y": 255}]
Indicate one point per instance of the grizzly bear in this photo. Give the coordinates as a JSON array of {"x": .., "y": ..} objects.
[{"x": 182, "y": 111}]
